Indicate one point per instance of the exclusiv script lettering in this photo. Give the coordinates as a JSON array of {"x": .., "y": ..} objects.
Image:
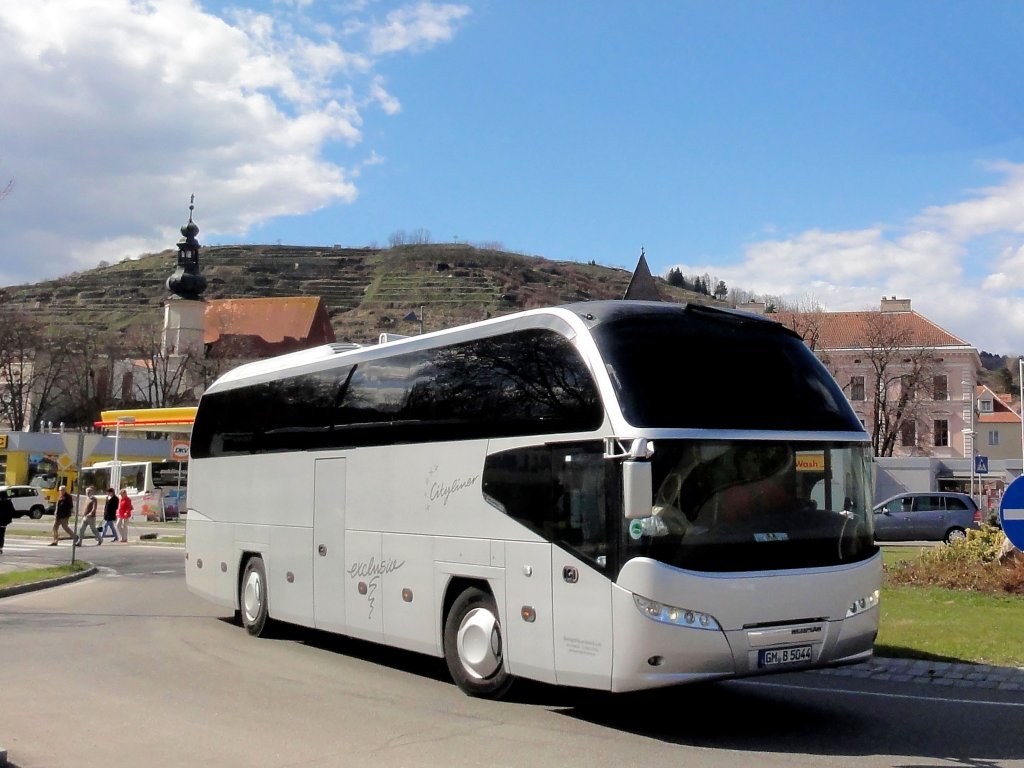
[
  {"x": 444, "y": 491},
  {"x": 372, "y": 570},
  {"x": 368, "y": 569}
]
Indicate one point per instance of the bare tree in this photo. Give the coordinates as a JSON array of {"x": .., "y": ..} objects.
[
  {"x": 807, "y": 319},
  {"x": 903, "y": 376},
  {"x": 158, "y": 378},
  {"x": 6, "y": 189},
  {"x": 89, "y": 374},
  {"x": 32, "y": 369}
]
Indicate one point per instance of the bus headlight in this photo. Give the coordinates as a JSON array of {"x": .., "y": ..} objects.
[
  {"x": 669, "y": 614},
  {"x": 861, "y": 604}
]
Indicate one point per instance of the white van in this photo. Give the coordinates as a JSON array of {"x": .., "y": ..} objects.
[{"x": 27, "y": 500}]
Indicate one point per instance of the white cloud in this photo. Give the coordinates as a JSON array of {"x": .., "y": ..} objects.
[
  {"x": 993, "y": 209},
  {"x": 117, "y": 110},
  {"x": 416, "y": 28},
  {"x": 941, "y": 259}
]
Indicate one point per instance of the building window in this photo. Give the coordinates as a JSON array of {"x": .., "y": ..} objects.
[
  {"x": 985, "y": 406},
  {"x": 941, "y": 432},
  {"x": 940, "y": 389},
  {"x": 856, "y": 387},
  {"x": 908, "y": 434},
  {"x": 993, "y": 437}
]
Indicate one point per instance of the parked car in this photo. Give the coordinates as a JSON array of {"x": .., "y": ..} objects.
[
  {"x": 27, "y": 500},
  {"x": 926, "y": 517}
]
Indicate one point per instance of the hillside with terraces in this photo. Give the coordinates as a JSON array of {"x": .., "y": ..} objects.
[{"x": 366, "y": 291}]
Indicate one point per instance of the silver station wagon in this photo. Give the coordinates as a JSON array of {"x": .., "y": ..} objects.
[{"x": 926, "y": 517}]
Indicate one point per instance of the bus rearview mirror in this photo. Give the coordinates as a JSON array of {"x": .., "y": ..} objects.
[{"x": 637, "y": 489}]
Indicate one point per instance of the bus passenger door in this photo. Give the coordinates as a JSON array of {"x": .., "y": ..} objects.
[
  {"x": 528, "y": 588},
  {"x": 582, "y": 601},
  {"x": 581, "y": 591},
  {"x": 329, "y": 544}
]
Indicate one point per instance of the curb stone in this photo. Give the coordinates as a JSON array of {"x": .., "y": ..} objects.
[{"x": 36, "y": 585}]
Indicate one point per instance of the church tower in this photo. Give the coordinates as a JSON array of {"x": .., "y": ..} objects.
[{"x": 185, "y": 309}]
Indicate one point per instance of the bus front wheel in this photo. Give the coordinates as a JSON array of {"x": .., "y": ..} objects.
[
  {"x": 253, "y": 598},
  {"x": 473, "y": 645}
]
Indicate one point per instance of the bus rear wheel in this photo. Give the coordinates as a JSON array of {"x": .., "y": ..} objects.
[
  {"x": 473, "y": 645},
  {"x": 253, "y": 598}
]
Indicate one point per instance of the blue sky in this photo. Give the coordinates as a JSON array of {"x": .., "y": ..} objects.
[{"x": 827, "y": 153}]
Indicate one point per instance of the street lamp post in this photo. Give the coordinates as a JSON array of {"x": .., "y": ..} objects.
[
  {"x": 1020, "y": 378},
  {"x": 115, "y": 474},
  {"x": 969, "y": 432}
]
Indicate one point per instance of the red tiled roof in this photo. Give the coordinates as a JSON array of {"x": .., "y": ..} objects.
[
  {"x": 854, "y": 330},
  {"x": 271, "y": 319},
  {"x": 1001, "y": 412},
  {"x": 999, "y": 417}
]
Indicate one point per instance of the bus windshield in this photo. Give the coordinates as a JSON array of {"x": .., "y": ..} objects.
[
  {"x": 744, "y": 506},
  {"x": 764, "y": 378}
]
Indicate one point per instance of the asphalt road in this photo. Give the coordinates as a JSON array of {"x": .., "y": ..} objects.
[{"x": 126, "y": 668}]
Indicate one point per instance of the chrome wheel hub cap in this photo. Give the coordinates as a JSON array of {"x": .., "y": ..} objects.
[
  {"x": 479, "y": 643},
  {"x": 252, "y": 597}
]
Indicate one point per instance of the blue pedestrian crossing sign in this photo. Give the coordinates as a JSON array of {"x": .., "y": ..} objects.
[
  {"x": 1011, "y": 512},
  {"x": 981, "y": 465}
]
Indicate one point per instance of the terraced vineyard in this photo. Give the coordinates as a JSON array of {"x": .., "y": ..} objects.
[{"x": 366, "y": 291}]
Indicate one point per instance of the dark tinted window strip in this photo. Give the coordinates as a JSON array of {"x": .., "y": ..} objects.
[{"x": 525, "y": 383}]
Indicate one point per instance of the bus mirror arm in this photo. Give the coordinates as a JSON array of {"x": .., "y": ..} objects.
[
  {"x": 639, "y": 448},
  {"x": 637, "y": 489}
]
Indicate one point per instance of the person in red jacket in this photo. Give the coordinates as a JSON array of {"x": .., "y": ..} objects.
[{"x": 124, "y": 512}]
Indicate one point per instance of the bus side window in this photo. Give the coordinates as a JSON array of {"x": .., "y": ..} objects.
[
  {"x": 560, "y": 493},
  {"x": 519, "y": 483}
]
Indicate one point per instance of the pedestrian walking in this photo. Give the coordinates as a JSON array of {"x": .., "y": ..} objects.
[
  {"x": 6, "y": 515},
  {"x": 62, "y": 514},
  {"x": 109, "y": 516},
  {"x": 124, "y": 513},
  {"x": 89, "y": 515}
]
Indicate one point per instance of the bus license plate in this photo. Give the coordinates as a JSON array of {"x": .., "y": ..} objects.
[{"x": 772, "y": 657}]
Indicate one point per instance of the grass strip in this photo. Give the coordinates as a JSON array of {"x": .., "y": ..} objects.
[
  {"x": 951, "y": 625},
  {"x": 17, "y": 578}
]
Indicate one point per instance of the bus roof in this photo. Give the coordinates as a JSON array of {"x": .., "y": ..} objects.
[{"x": 580, "y": 316}]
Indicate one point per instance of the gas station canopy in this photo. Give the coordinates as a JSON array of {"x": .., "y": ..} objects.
[{"x": 170, "y": 420}]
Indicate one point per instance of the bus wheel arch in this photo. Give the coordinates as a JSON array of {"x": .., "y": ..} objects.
[
  {"x": 473, "y": 640},
  {"x": 253, "y": 596}
]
